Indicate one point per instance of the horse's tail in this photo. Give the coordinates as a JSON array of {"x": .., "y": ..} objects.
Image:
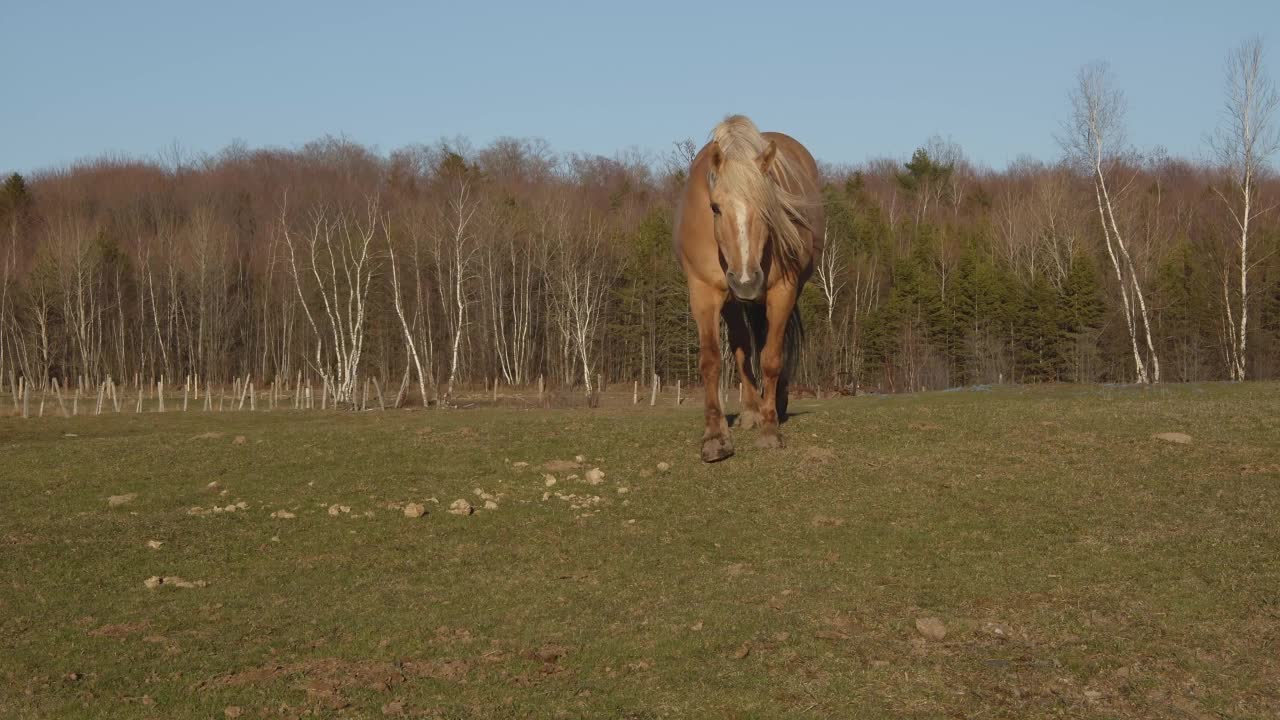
[{"x": 792, "y": 342}]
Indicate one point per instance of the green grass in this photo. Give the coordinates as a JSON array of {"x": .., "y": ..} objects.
[{"x": 1137, "y": 578}]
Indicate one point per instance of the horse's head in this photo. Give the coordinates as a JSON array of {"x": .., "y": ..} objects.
[{"x": 740, "y": 194}]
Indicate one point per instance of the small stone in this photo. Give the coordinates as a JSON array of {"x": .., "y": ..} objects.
[
  {"x": 155, "y": 544},
  {"x": 152, "y": 582},
  {"x": 742, "y": 652},
  {"x": 1174, "y": 437},
  {"x": 595, "y": 476},
  {"x": 212, "y": 485},
  {"x": 230, "y": 508},
  {"x": 520, "y": 464},
  {"x": 461, "y": 507},
  {"x": 240, "y": 440},
  {"x": 118, "y": 500},
  {"x": 283, "y": 515},
  {"x": 998, "y": 630},
  {"x": 696, "y": 627},
  {"x": 490, "y": 505},
  {"x": 931, "y": 628},
  {"x": 336, "y": 510},
  {"x": 664, "y": 467},
  {"x": 549, "y": 480},
  {"x": 74, "y": 676},
  {"x": 242, "y": 505},
  {"x": 546, "y": 496},
  {"x": 233, "y": 711},
  {"x": 579, "y": 459},
  {"x": 415, "y": 510},
  {"x": 623, "y": 490}
]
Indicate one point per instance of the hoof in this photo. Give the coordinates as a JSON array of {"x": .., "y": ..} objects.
[
  {"x": 715, "y": 449},
  {"x": 748, "y": 419},
  {"x": 770, "y": 440}
]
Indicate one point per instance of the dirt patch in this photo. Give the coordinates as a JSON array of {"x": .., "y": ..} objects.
[
  {"x": 819, "y": 454},
  {"x": 208, "y": 436},
  {"x": 119, "y": 630},
  {"x": 559, "y": 465}
]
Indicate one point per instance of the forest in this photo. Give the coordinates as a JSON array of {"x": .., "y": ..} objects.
[{"x": 443, "y": 265}]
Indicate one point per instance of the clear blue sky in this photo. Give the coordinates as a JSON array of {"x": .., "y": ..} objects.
[{"x": 86, "y": 78}]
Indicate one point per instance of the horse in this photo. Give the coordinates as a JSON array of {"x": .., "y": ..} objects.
[{"x": 748, "y": 228}]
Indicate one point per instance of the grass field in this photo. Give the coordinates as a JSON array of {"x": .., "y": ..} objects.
[{"x": 1079, "y": 566}]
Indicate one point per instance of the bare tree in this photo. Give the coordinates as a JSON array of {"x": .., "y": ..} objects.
[
  {"x": 1244, "y": 142},
  {"x": 456, "y": 251},
  {"x": 339, "y": 259},
  {"x": 1094, "y": 138}
]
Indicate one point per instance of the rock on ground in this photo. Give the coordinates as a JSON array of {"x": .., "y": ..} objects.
[
  {"x": 240, "y": 440},
  {"x": 1174, "y": 437},
  {"x": 595, "y": 476},
  {"x": 118, "y": 500},
  {"x": 155, "y": 544},
  {"x": 664, "y": 467},
  {"x": 156, "y": 581},
  {"x": 931, "y": 628},
  {"x": 415, "y": 510},
  {"x": 490, "y": 505},
  {"x": 461, "y": 507},
  {"x": 283, "y": 515}
]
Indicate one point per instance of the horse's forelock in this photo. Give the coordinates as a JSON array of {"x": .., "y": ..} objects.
[{"x": 740, "y": 177}]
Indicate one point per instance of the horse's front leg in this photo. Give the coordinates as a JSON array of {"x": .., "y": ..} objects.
[
  {"x": 706, "y": 302},
  {"x": 735, "y": 319},
  {"x": 779, "y": 302}
]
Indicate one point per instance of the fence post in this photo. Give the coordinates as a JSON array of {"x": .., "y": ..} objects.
[
  {"x": 653, "y": 391},
  {"x": 635, "y": 392},
  {"x": 677, "y": 393}
]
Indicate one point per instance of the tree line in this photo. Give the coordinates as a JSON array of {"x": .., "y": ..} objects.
[{"x": 438, "y": 266}]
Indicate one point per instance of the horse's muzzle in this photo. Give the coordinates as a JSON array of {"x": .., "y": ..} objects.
[{"x": 747, "y": 285}]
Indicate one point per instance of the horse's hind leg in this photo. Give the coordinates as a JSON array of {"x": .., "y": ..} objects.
[
  {"x": 706, "y": 302},
  {"x": 779, "y": 302},
  {"x": 735, "y": 317}
]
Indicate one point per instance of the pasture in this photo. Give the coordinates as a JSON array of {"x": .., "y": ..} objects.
[{"x": 1002, "y": 553}]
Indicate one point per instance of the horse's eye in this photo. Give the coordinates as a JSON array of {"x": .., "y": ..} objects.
[{"x": 715, "y": 208}]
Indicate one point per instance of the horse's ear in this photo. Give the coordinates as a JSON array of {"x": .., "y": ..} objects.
[
  {"x": 717, "y": 161},
  {"x": 766, "y": 157}
]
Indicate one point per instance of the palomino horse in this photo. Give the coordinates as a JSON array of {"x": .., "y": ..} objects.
[{"x": 748, "y": 228}]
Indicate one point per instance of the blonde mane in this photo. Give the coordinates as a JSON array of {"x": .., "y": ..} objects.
[{"x": 740, "y": 177}]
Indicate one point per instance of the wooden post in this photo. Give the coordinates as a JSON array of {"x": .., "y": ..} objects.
[
  {"x": 102, "y": 391},
  {"x": 26, "y": 399},
  {"x": 635, "y": 392},
  {"x": 186, "y": 390},
  {"x": 75, "y": 403},
  {"x": 253, "y": 399},
  {"x": 541, "y": 387},
  {"x": 495, "y": 390},
  {"x": 244, "y": 390},
  {"x": 208, "y": 399},
  {"x": 160, "y": 393},
  {"x": 297, "y": 392},
  {"x": 138, "y": 408},
  {"x": 382, "y": 405},
  {"x": 653, "y": 394},
  {"x": 364, "y": 399},
  {"x": 115, "y": 396},
  {"x": 310, "y": 403},
  {"x": 677, "y": 393}
]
